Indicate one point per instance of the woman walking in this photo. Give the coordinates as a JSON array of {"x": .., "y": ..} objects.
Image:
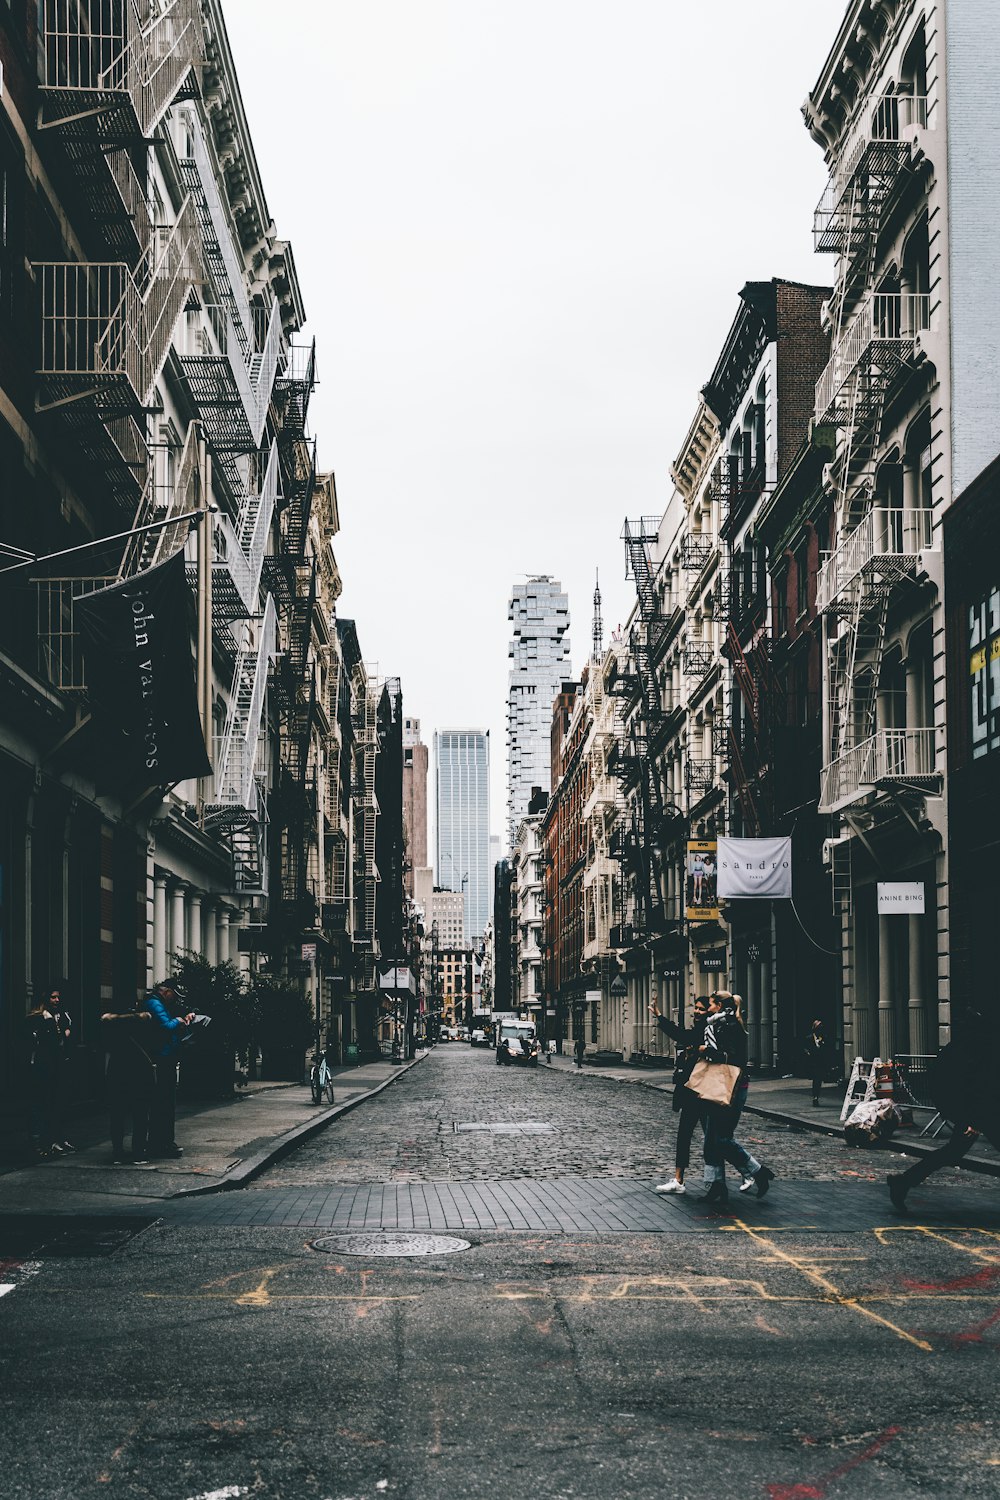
[
  {"x": 726, "y": 1042},
  {"x": 690, "y": 1110}
]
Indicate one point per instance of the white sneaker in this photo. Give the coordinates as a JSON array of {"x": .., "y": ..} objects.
[
  {"x": 747, "y": 1184},
  {"x": 672, "y": 1186}
]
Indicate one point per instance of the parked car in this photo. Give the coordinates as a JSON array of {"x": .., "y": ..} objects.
[
  {"x": 479, "y": 1037},
  {"x": 517, "y": 1043}
]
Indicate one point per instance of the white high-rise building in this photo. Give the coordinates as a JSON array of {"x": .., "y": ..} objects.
[
  {"x": 462, "y": 821},
  {"x": 540, "y": 660}
]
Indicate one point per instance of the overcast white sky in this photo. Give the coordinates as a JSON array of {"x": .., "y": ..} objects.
[{"x": 521, "y": 227}]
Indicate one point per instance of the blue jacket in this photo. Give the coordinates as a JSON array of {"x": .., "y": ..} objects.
[{"x": 171, "y": 1032}]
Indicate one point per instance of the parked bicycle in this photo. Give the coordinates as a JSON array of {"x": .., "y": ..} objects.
[{"x": 320, "y": 1079}]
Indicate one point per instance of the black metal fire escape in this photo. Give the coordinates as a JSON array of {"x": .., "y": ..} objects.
[{"x": 640, "y": 847}]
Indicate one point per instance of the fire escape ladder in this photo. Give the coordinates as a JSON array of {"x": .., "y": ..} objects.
[
  {"x": 164, "y": 504},
  {"x": 298, "y": 488},
  {"x": 748, "y": 804},
  {"x": 239, "y": 808},
  {"x": 841, "y": 880},
  {"x": 743, "y": 674}
]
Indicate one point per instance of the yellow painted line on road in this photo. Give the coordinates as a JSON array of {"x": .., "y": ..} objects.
[{"x": 835, "y": 1294}]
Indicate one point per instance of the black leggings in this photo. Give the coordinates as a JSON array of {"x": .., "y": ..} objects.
[{"x": 947, "y": 1155}]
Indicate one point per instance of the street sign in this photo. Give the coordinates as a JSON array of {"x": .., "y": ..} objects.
[
  {"x": 308, "y": 953},
  {"x": 900, "y": 898}
]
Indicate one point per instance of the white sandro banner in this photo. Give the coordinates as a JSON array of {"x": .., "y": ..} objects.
[{"x": 755, "y": 869}]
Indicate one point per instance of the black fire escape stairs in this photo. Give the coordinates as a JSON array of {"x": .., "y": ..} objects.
[
  {"x": 641, "y": 848},
  {"x": 296, "y": 801}
]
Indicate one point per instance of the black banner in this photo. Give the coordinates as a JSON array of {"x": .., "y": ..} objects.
[{"x": 141, "y": 674}]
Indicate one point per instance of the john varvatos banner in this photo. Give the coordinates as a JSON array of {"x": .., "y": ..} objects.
[
  {"x": 755, "y": 869},
  {"x": 141, "y": 675}
]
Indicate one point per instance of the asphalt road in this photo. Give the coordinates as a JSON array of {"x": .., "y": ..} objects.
[{"x": 807, "y": 1345}]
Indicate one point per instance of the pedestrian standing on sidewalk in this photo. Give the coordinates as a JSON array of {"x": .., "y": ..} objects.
[
  {"x": 130, "y": 1079},
  {"x": 690, "y": 1110},
  {"x": 816, "y": 1057},
  {"x": 44, "y": 1056},
  {"x": 962, "y": 1081},
  {"x": 726, "y": 1042},
  {"x": 171, "y": 1018},
  {"x": 579, "y": 1047}
]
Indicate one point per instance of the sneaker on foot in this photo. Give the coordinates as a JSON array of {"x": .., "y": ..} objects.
[
  {"x": 67, "y": 1145},
  {"x": 57, "y": 1149},
  {"x": 670, "y": 1186},
  {"x": 747, "y": 1184}
]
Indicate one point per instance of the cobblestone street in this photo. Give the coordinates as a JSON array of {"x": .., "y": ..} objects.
[{"x": 585, "y": 1125}]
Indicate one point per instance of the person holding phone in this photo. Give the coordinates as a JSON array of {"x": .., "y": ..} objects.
[{"x": 689, "y": 1109}]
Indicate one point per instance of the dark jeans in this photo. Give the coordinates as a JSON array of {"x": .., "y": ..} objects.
[
  {"x": 952, "y": 1151},
  {"x": 129, "y": 1098},
  {"x": 46, "y": 1108},
  {"x": 720, "y": 1143},
  {"x": 163, "y": 1105},
  {"x": 691, "y": 1113},
  {"x": 817, "y": 1083}
]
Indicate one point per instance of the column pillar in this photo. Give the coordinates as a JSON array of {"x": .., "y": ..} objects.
[
  {"x": 753, "y": 1011},
  {"x": 194, "y": 922},
  {"x": 222, "y": 934},
  {"x": 766, "y": 1015},
  {"x": 857, "y": 937},
  {"x": 159, "y": 927},
  {"x": 210, "y": 936},
  {"x": 178, "y": 928},
  {"x": 886, "y": 1016},
  {"x": 914, "y": 705},
  {"x": 916, "y": 1006}
]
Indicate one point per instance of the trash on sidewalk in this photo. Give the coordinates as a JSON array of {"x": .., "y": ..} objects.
[{"x": 870, "y": 1123}]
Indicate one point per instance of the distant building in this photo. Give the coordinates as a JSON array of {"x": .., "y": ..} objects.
[
  {"x": 462, "y": 823},
  {"x": 540, "y": 660},
  {"x": 415, "y": 764},
  {"x": 447, "y": 909}
]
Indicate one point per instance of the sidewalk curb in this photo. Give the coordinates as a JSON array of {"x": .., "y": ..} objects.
[
  {"x": 247, "y": 1170},
  {"x": 900, "y": 1145}
]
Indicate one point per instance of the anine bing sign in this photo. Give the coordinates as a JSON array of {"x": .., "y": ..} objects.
[{"x": 900, "y": 898}]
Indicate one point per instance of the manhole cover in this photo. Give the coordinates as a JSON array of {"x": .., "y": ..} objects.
[{"x": 390, "y": 1244}]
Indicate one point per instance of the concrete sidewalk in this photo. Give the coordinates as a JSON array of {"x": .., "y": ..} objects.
[
  {"x": 789, "y": 1102},
  {"x": 226, "y": 1144}
]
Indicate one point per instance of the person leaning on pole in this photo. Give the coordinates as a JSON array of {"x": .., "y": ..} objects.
[{"x": 171, "y": 1018}]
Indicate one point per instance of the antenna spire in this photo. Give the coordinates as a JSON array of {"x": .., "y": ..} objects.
[{"x": 598, "y": 638}]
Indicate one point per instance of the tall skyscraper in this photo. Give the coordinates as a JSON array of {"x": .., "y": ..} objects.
[
  {"x": 462, "y": 821},
  {"x": 539, "y": 657},
  {"x": 414, "y": 802}
]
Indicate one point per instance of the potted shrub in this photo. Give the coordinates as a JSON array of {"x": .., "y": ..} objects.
[
  {"x": 283, "y": 1026},
  {"x": 208, "y": 1061}
]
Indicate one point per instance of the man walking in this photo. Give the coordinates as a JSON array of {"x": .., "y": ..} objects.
[
  {"x": 816, "y": 1051},
  {"x": 170, "y": 1020},
  {"x": 579, "y": 1047}
]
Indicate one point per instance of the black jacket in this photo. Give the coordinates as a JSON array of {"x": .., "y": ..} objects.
[
  {"x": 690, "y": 1039},
  {"x": 725, "y": 1040}
]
